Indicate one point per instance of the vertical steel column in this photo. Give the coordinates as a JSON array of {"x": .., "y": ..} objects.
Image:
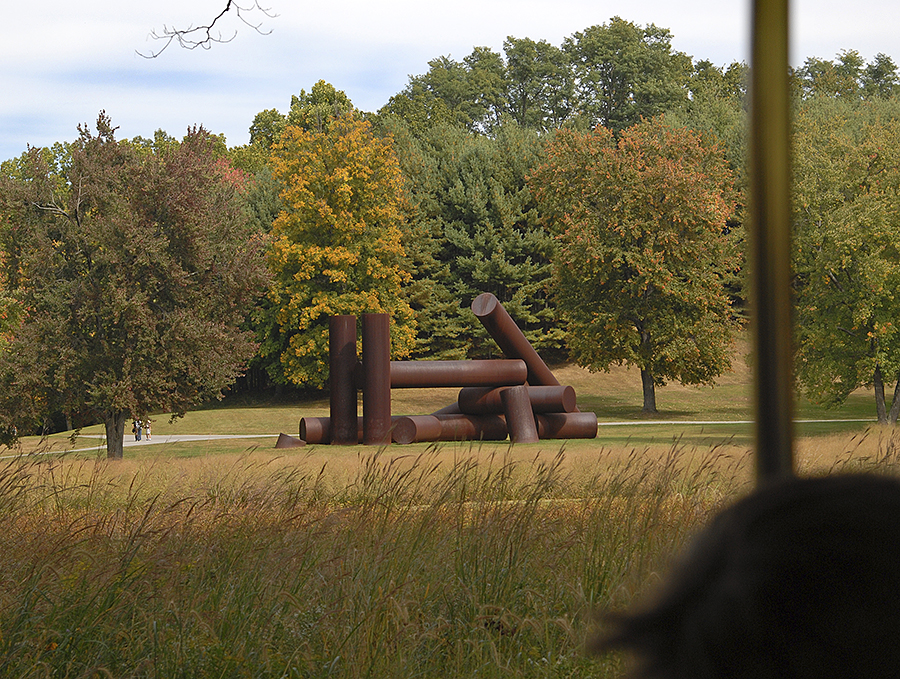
[
  {"x": 770, "y": 238},
  {"x": 376, "y": 361},
  {"x": 342, "y": 362},
  {"x": 519, "y": 415}
]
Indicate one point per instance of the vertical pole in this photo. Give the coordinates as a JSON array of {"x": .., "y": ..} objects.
[
  {"x": 770, "y": 238},
  {"x": 342, "y": 362},
  {"x": 376, "y": 360},
  {"x": 519, "y": 415}
]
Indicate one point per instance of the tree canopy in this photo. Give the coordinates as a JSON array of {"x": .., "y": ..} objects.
[
  {"x": 130, "y": 269},
  {"x": 644, "y": 250},
  {"x": 337, "y": 243},
  {"x": 847, "y": 258}
]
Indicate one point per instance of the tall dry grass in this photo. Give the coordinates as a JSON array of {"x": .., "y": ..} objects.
[{"x": 436, "y": 565}]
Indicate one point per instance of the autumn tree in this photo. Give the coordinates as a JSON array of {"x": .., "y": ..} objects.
[
  {"x": 644, "y": 250},
  {"x": 336, "y": 243},
  {"x": 847, "y": 258},
  {"x": 131, "y": 267}
]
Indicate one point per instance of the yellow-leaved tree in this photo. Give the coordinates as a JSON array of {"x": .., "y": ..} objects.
[{"x": 337, "y": 242}]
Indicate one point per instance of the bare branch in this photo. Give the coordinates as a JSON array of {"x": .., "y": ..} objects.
[{"x": 193, "y": 37}]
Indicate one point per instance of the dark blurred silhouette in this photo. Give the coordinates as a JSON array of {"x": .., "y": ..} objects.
[{"x": 799, "y": 579}]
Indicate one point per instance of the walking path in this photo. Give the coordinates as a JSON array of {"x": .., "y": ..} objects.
[
  {"x": 180, "y": 438},
  {"x": 164, "y": 438}
]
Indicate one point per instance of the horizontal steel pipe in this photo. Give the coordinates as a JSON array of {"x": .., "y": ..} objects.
[
  {"x": 549, "y": 399},
  {"x": 458, "y": 373},
  {"x": 417, "y": 429},
  {"x": 566, "y": 425},
  {"x": 318, "y": 429},
  {"x": 510, "y": 338},
  {"x": 472, "y": 427}
]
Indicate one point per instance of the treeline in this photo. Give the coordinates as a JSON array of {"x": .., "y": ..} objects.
[{"x": 597, "y": 188}]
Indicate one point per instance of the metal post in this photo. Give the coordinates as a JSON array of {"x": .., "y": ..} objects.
[
  {"x": 770, "y": 174},
  {"x": 519, "y": 416},
  {"x": 376, "y": 349},
  {"x": 342, "y": 362}
]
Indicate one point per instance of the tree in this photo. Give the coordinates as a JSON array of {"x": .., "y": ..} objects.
[
  {"x": 624, "y": 72},
  {"x": 132, "y": 268},
  {"x": 847, "y": 260},
  {"x": 336, "y": 243},
  {"x": 644, "y": 251},
  {"x": 540, "y": 84},
  {"x": 849, "y": 77},
  {"x": 475, "y": 228},
  {"x": 470, "y": 93}
]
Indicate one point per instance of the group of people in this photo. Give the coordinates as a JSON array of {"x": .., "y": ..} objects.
[{"x": 141, "y": 425}]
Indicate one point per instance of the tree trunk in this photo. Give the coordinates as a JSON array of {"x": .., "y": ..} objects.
[
  {"x": 879, "y": 396},
  {"x": 115, "y": 434},
  {"x": 649, "y": 392},
  {"x": 895, "y": 403}
]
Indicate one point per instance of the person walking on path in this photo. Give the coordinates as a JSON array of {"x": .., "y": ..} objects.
[
  {"x": 136, "y": 429},
  {"x": 147, "y": 428}
]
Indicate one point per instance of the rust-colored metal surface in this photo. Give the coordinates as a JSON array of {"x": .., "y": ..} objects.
[
  {"x": 548, "y": 399},
  {"x": 342, "y": 364},
  {"x": 458, "y": 373},
  {"x": 464, "y": 427},
  {"x": 510, "y": 339},
  {"x": 285, "y": 441},
  {"x": 566, "y": 425},
  {"x": 519, "y": 416},
  {"x": 417, "y": 429},
  {"x": 376, "y": 388}
]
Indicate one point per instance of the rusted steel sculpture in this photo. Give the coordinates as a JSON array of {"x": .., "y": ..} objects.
[
  {"x": 548, "y": 399},
  {"x": 376, "y": 388},
  {"x": 519, "y": 415},
  {"x": 342, "y": 363},
  {"x": 566, "y": 425},
  {"x": 285, "y": 441},
  {"x": 516, "y": 396},
  {"x": 449, "y": 427},
  {"x": 510, "y": 339},
  {"x": 457, "y": 373}
]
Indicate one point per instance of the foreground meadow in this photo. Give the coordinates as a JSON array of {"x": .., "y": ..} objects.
[
  {"x": 226, "y": 558},
  {"x": 455, "y": 561}
]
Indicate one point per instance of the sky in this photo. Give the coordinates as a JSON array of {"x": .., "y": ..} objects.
[{"x": 62, "y": 62}]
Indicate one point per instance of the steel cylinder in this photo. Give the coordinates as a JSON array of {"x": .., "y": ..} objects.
[
  {"x": 458, "y": 373},
  {"x": 519, "y": 416},
  {"x": 416, "y": 429},
  {"x": 376, "y": 388},
  {"x": 463, "y": 427},
  {"x": 566, "y": 425},
  {"x": 342, "y": 364},
  {"x": 548, "y": 399},
  {"x": 510, "y": 339}
]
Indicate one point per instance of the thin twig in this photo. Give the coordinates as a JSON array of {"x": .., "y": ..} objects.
[{"x": 193, "y": 37}]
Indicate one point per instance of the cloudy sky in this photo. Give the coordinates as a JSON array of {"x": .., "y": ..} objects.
[{"x": 61, "y": 62}]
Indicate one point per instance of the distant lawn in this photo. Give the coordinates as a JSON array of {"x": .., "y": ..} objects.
[{"x": 694, "y": 417}]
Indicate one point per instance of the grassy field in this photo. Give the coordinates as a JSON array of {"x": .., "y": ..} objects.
[{"x": 228, "y": 558}]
